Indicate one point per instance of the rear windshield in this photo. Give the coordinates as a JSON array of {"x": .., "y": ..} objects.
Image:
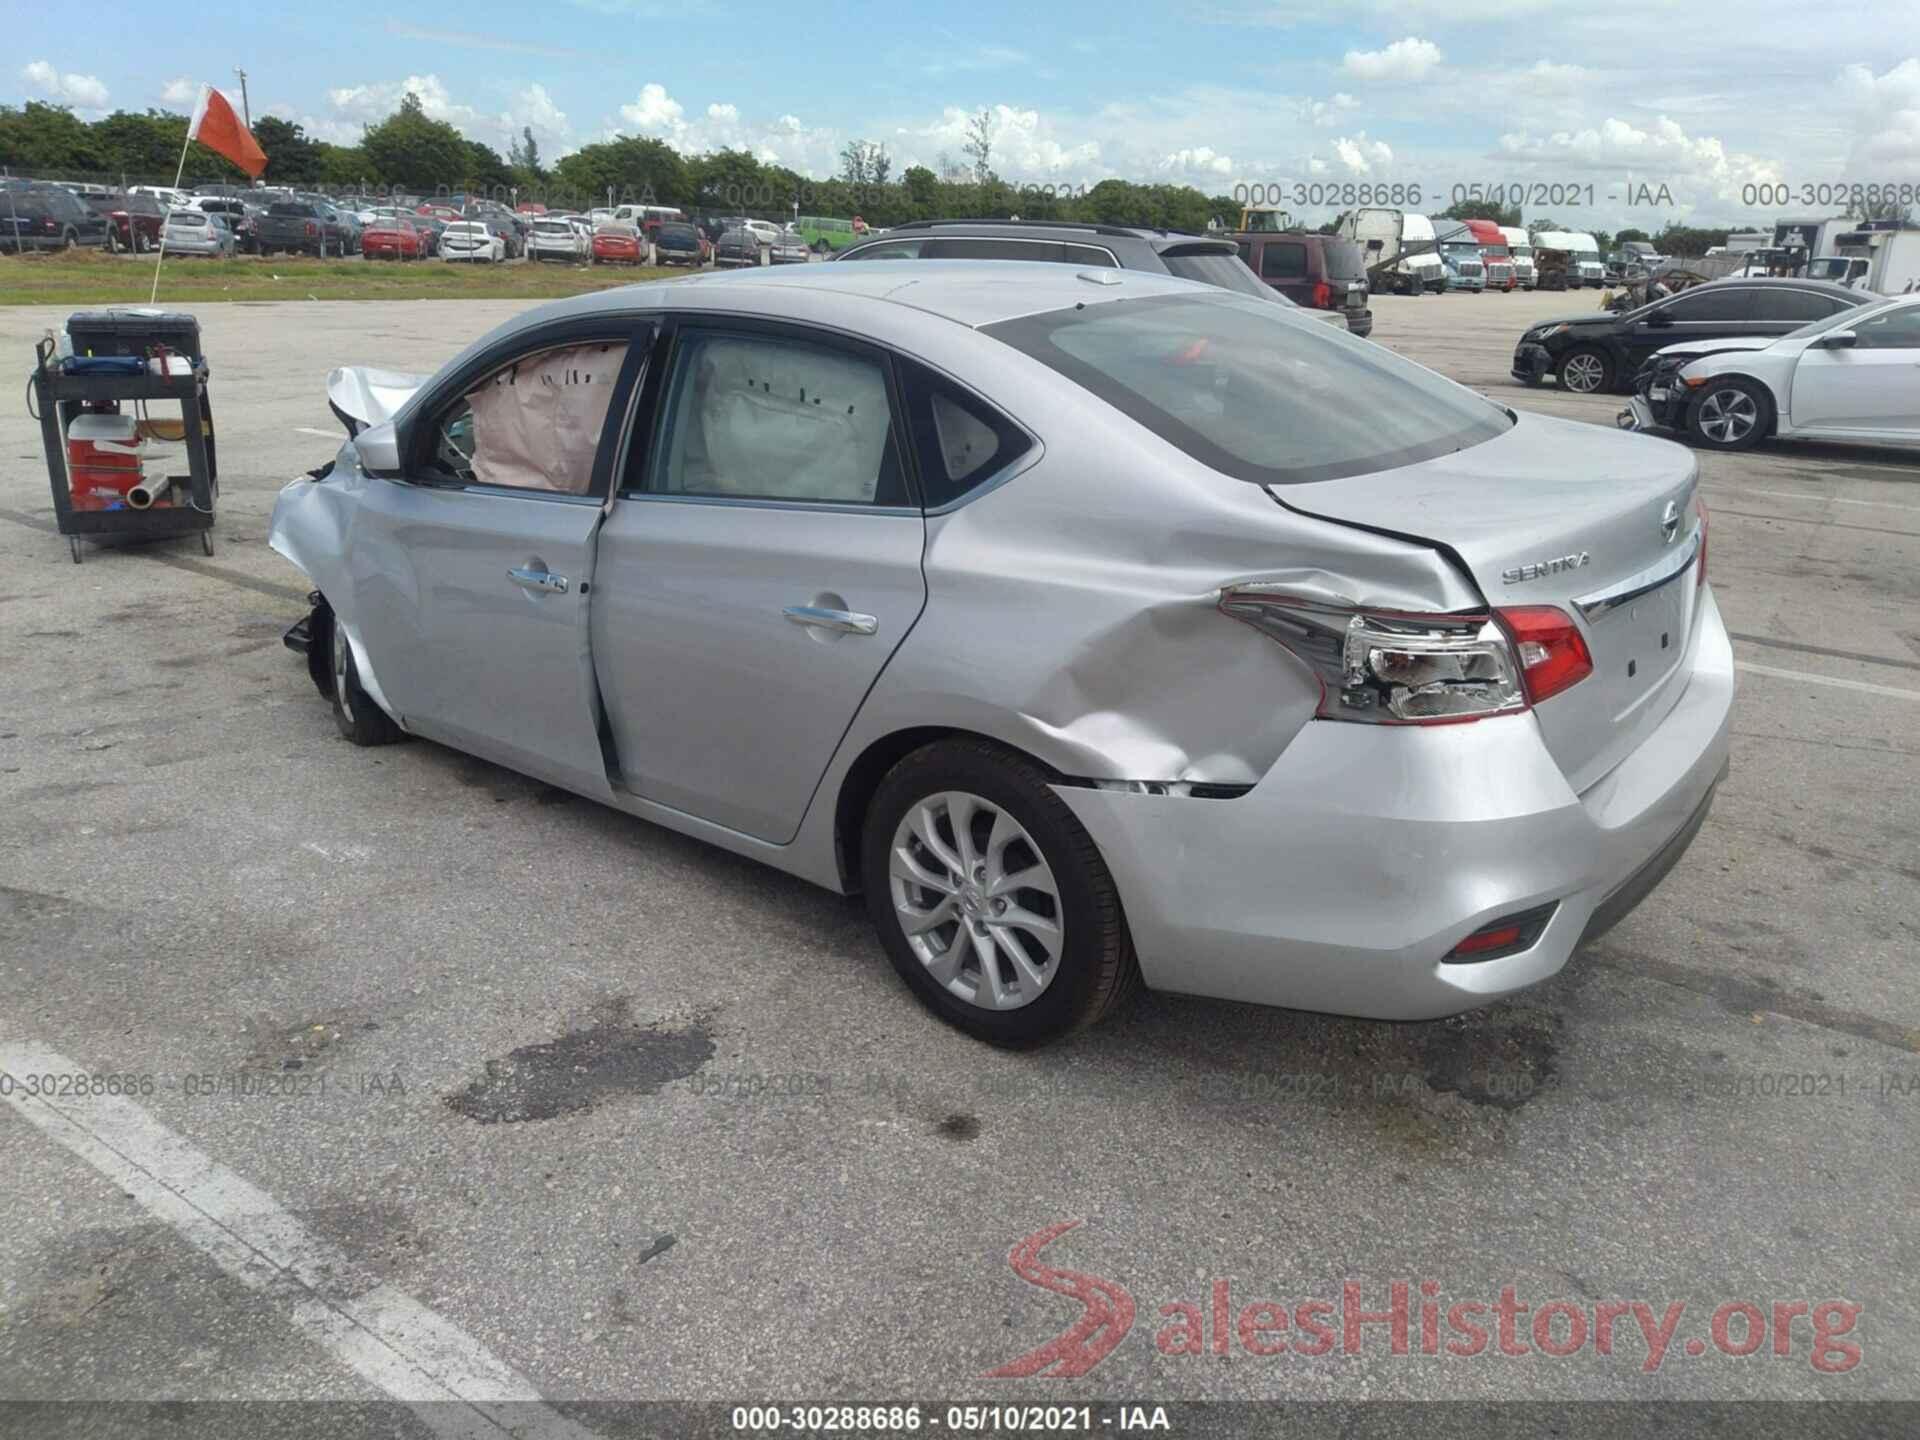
[
  {"x": 553, "y": 227},
  {"x": 679, "y": 235},
  {"x": 1255, "y": 394},
  {"x": 1344, "y": 260},
  {"x": 1223, "y": 268}
]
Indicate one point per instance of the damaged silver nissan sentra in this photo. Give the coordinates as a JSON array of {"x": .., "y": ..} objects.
[{"x": 1101, "y": 627}]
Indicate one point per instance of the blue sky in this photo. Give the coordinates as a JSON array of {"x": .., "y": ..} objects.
[{"x": 1209, "y": 92}]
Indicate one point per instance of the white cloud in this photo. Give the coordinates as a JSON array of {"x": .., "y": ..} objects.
[
  {"x": 1408, "y": 59},
  {"x": 1362, "y": 156},
  {"x": 532, "y": 107},
  {"x": 85, "y": 91},
  {"x": 1026, "y": 144},
  {"x": 1886, "y": 143},
  {"x": 655, "y": 112},
  {"x": 1199, "y": 166},
  {"x": 1328, "y": 111},
  {"x": 724, "y": 114},
  {"x": 180, "y": 92}
]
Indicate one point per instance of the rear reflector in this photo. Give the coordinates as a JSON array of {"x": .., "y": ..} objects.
[
  {"x": 1552, "y": 653},
  {"x": 1506, "y": 936}
]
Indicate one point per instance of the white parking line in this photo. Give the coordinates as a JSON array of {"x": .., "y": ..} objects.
[
  {"x": 1835, "y": 680},
  {"x": 1733, "y": 489},
  {"x": 384, "y": 1336},
  {"x": 323, "y": 434}
]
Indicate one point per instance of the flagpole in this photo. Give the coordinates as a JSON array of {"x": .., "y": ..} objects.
[{"x": 178, "y": 174}]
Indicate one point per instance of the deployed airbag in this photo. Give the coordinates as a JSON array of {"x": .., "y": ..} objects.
[{"x": 537, "y": 423}]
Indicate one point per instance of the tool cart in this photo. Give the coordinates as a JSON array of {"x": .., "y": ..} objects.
[{"x": 94, "y": 423}]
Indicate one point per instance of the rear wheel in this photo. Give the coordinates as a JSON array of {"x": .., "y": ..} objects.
[
  {"x": 1585, "y": 371},
  {"x": 990, "y": 897},
  {"x": 1730, "y": 414}
]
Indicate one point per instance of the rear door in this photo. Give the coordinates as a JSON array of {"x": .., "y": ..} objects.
[
  {"x": 758, "y": 569},
  {"x": 1711, "y": 312},
  {"x": 1872, "y": 386},
  {"x": 473, "y": 570}
]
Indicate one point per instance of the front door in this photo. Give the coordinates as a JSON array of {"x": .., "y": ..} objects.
[
  {"x": 1711, "y": 312},
  {"x": 757, "y": 571},
  {"x": 1872, "y": 385},
  {"x": 473, "y": 573}
]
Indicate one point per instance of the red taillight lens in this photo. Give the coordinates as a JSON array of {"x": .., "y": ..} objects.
[
  {"x": 310, "y": 228},
  {"x": 1322, "y": 295},
  {"x": 1553, "y": 654},
  {"x": 1700, "y": 578}
]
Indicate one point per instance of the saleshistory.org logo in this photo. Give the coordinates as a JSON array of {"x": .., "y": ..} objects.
[{"x": 1406, "y": 1325}]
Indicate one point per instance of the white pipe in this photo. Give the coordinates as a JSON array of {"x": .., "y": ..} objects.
[{"x": 149, "y": 492}]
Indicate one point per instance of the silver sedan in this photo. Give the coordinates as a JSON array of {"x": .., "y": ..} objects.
[{"x": 1101, "y": 627}]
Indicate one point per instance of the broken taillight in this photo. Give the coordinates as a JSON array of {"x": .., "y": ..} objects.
[{"x": 1389, "y": 667}]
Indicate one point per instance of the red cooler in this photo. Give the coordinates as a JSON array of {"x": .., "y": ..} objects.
[{"x": 105, "y": 459}]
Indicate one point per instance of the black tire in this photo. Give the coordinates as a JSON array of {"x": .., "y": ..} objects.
[
  {"x": 359, "y": 719},
  {"x": 71, "y": 240},
  {"x": 113, "y": 241},
  {"x": 1591, "y": 370},
  {"x": 1096, "y": 971},
  {"x": 1714, "y": 413}
]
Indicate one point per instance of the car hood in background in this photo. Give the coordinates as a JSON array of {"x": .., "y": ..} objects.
[{"x": 1733, "y": 342}]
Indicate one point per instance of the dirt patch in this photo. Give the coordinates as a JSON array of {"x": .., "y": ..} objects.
[{"x": 612, "y": 1057}]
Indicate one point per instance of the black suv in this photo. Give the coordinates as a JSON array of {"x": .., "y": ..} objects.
[
  {"x": 1597, "y": 351},
  {"x": 1169, "y": 252}
]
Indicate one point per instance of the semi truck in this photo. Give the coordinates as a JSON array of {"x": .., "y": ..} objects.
[
  {"x": 1460, "y": 255},
  {"x": 1520, "y": 247},
  {"x": 1583, "y": 256},
  {"x": 1399, "y": 248},
  {"x": 1493, "y": 251}
]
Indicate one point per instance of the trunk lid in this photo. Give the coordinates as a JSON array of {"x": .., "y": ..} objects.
[{"x": 1554, "y": 512}]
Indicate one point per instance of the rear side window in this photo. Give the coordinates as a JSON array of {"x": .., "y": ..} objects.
[
  {"x": 1795, "y": 307},
  {"x": 985, "y": 248},
  {"x": 1890, "y": 330},
  {"x": 1283, "y": 261},
  {"x": 891, "y": 250},
  {"x": 960, "y": 441},
  {"x": 1253, "y": 393}
]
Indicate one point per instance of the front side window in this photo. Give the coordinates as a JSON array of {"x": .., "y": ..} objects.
[
  {"x": 759, "y": 417},
  {"x": 535, "y": 423},
  {"x": 1895, "y": 329},
  {"x": 1253, "y": 392},
  {"x": 1708, "y": 303}
]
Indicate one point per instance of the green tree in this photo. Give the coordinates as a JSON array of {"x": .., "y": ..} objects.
[
  {"x": 732, "y": 180},
  {"x": 978, "y": 146},
  {"x": 44, "y": 138},
  {"x": 1481, "y": 210},
  {"x": 1631, "y": 233},
  {"x": 923, "y": 192},
  {"x": 412, "y": 150},
  {"x": 292, "y": 157},
  {"x": 634, "y": 170}
]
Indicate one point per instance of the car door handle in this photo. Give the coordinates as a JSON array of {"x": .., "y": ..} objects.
[
  {"x": 538, "y": 580},
  {"x": 845, "y": 621}
]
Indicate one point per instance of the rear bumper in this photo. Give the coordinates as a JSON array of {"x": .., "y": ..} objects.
[{"x": 1342, "y": 880}]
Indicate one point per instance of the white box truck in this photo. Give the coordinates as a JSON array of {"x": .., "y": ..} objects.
[
  {"x": 1891, "y": 256},
  {"x": 1386, "y": 236}
]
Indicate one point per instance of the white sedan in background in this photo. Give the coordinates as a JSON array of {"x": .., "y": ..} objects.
[
  {"x": 470, "y": 240},
  {"x": 191, "y": 232},
  {"x": 1851, "y": 376},
  {"x": 554, "y": 238}
]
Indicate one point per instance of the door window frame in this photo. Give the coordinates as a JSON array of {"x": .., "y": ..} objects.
[
  {"x": 637, "y": 331},
  {"x": 634, "y": 465}
]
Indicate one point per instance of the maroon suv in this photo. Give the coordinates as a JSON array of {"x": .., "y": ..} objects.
[
  {"x": 133, "y": 221},
  {"x": 1320, "y": 272}
]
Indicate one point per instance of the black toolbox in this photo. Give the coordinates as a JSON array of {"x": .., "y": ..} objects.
[{"x": 134, "y": 332}]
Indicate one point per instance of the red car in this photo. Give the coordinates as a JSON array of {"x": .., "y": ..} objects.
[
  {"x": 393, "y": 239},
  {"x": 617, "y": 244},
  {"x": 133, "y": 221}
]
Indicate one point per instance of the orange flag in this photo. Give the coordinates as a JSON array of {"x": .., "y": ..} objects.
[{"x": 215, "y": 126}]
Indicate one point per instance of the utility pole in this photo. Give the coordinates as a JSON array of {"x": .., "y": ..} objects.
[{"x": 245, "y": 113}]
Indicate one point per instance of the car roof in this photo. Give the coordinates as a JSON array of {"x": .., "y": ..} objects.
[
  {"x": 1789, "y": 282},
  {"x": 1080, "y": 232},
  {"x": 973, "y": 293}
]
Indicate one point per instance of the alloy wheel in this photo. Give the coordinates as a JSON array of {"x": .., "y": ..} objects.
[
  {"x": 1583, "y": 373},
  {"x": 1728, "y": 416},
  {"x": 976, "y": 900}
]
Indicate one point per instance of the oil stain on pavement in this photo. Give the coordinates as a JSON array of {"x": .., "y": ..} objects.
[{"x": 612, "y": 1057}]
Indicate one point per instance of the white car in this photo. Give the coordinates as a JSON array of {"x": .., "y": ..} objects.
[
  {"x": 1851, "y": 376},
  {"x": 470, "y": 240},
  {"x": 553, "y": 238},
  {"x": 192, "y": 232}
]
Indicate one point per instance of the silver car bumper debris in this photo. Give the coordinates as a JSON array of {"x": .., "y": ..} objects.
[{"x": 1341, "y": 881}]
